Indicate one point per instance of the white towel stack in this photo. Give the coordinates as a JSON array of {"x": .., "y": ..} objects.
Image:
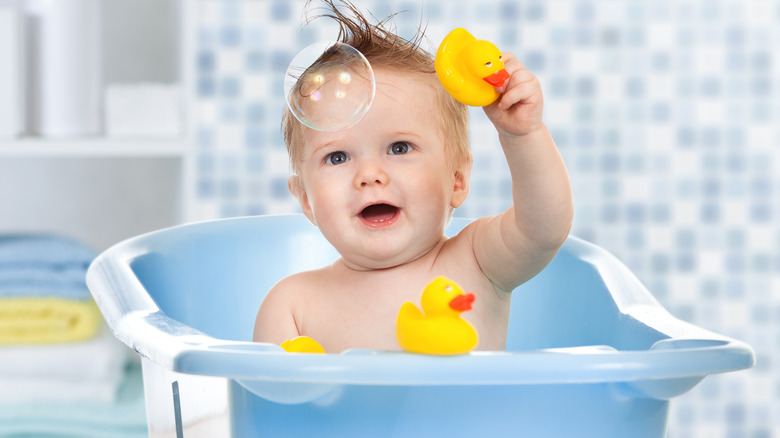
[{"x": 91, "y": 370}]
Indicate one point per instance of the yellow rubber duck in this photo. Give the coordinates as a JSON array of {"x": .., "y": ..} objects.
[
  {"x": 302, "y": 344},
  {"x": 470, "y": 69},
  {"x": 437, "y": 329}
]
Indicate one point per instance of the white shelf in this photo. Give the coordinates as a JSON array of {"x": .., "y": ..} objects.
[{"x": 93, "y": 147}]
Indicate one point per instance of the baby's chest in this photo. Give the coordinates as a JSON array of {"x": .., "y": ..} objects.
[
  {"x": 367, "y": 317},
  {"x": 339, "y": 326}
]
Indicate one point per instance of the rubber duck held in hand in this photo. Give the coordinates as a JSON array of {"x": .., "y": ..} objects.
[
  {"x": 470, "y": 69},
  {"x": 437, "y": 329}
]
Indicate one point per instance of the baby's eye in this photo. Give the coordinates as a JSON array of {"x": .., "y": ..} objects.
[
  {"x": 399, "y": 148},
  {"x": 337, "y": 158},
  {"x": 488, "y": 64}
]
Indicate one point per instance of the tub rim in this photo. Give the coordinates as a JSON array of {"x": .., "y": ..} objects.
[{"x": 689, "y": 353}]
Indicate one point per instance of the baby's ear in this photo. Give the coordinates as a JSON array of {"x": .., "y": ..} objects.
[
  {"x": 295, "y": 184},
  {"x": 460, "y": 186}
]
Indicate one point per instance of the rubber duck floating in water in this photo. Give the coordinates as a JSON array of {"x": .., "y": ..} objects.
[
  {"x": 437, "y": 329},
  {"x": 302, "y": 344},
  {"x": 470, "y": 69}
]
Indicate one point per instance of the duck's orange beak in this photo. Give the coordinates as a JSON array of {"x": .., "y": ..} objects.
[
  {"x": 497, "y": 79},
  {"x": 463, "y": 302}
]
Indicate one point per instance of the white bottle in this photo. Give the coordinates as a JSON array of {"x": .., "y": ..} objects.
[
  {"x": 11, "y": 73},
  {"x": 64, "y": 68}
]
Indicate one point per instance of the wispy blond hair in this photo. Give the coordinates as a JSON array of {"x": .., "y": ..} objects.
[{"x": 383, "y": 48}]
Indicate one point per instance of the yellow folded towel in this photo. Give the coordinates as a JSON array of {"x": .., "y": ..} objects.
[{"x": 39, "y": 320}]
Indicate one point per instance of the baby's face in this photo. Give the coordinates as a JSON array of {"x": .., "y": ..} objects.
[{"x": 381, "y": 191}]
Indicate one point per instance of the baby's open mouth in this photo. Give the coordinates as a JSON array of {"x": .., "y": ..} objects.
[{"x": 379, "y": 214}]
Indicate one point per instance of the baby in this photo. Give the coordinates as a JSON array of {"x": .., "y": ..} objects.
[{"x": 382, "y": 191}]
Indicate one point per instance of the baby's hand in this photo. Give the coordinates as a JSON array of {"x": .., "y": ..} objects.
[{"x": 518, "y": 111}]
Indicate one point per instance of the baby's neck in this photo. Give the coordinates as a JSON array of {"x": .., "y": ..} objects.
[{"x": 422, "y": 261}]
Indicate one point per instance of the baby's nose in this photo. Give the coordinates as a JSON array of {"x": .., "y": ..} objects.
[{"x": 370, "y": 174}]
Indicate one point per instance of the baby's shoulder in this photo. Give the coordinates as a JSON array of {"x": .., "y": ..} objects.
[
  {"x": 463, "y": 241},
  {"x": 300, "y": 285},
  {"x": 295, "y": 283},
  {"x": 286, "y": 295}
]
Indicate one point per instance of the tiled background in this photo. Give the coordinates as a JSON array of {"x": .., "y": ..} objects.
[{"x": 666, "y": 113}]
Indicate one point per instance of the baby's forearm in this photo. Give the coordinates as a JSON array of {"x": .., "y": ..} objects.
[{"x": 541, "y": 191}]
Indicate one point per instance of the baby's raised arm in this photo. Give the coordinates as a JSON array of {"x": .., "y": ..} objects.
[{"x": 515, "y": 245}]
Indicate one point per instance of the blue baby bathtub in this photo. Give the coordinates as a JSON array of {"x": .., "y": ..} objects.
[{"x": 590, "y": 352}]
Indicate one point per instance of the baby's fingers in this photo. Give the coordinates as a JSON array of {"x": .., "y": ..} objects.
[
  {"x": 522, "y": 86},
  {"x": 511, "y": 65}
]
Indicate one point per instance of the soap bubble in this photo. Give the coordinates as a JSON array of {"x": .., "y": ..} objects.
[{"x": 329, "y": 86}]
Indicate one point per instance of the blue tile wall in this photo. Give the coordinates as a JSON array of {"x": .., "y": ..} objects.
[{"x": 667, "y": 116}]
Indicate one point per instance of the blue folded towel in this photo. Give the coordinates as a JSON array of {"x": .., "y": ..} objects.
[
  {"x": 43, "y": 251},
  {"x": 63, "y": 282},
  {"x": 43, "y": 266}
]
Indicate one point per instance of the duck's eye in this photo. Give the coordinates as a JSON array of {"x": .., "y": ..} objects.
[
  {"x": 399, "y": 148},
  {"x": 337, "y": 158},
  {"x": 448, "y": 288},
  {"x": 500, "y": 58},
  {"x": 488, "y": 64}
]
